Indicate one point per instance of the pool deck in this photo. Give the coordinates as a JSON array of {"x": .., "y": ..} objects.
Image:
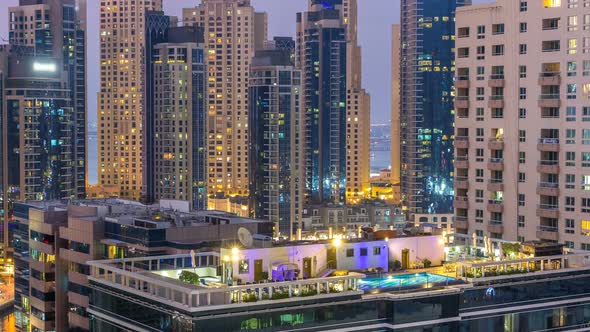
[{"x": 440, "y": 270}]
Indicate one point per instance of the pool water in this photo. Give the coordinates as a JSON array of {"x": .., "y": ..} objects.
[{"x": 403, "y": 280}]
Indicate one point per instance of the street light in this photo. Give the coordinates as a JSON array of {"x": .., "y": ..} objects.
[{"x": 337, "y": 242}]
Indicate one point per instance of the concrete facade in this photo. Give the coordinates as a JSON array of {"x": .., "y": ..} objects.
[
  {"x": 120, "y": 111},
  {"x": 328, "y": 256},
  {"x": 229, "y": 47},
  {"x": 521, "y": 140}
]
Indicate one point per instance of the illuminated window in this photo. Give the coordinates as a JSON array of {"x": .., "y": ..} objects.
[
  {"x": 551, "y": 3},
  {"x": 571, "y": 46}
]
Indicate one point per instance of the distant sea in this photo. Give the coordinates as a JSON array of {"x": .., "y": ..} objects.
[{"x": 379, "y": 159}]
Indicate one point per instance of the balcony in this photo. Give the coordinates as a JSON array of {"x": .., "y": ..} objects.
[
  {"x": 495, "y": 185},
  {"x": 551, "y": 46},
  {"x": 495, "y": 205},
  {"x": 548, "y": 144},
  {"x": 548, "y": 166},
  {"x": 42, "y": 325},
  {"x": 496, "y": 101},
  {"x": 461, "y": 222},
  {"x": 550, "y": 23},
  {"x": 496, "y": 164},
  {"x": 548, "y": 189},
  {"x": 46, "y": 287},
  {"x": 495, "y": 226},
  {"x": 549, "y": 78},
  {"x": 549, "y": 100},
  {"x": 461, "y": 202},
  {"x": 462, "y": 142},
  {"x": 46, "y": 306},
  {"x": 496, "y": 81},
  {"x": 461, "y": 162},
  {"x": 549, "y": 233},
  {"x": 496, "y": 143},
  {"x": 548, "y": 211},
  {"x": 462, "y": 82},
  {"x": 461, "y": 182},
  {"x": 79, "y": 321},
  {"x": 462, "y": 102}
]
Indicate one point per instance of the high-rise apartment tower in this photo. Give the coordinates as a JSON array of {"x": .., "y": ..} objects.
[
  {"x": 276, "y": 175},
  {"x": 427, "y": 112},
  {"x": 230, "y": 38},
  {"x": 120, "y": 99},
  {"x": 522, "y": 143}
]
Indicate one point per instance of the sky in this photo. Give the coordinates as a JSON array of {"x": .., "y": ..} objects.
[{"x": 375, "y": 20}]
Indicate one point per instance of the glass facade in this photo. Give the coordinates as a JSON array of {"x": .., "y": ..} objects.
[
  {"x": 156, "y": 24},
  {"x": 22, "y": 273},
  {"x": 199, "y": 131},
  {"x": 274, "y": 115},
  {"x": 41, "y": 163},
  {"x": 323, "y": 49},
  {"x": 427, "y": 104},
  {"x": 45, "y": 104},
  {"x": 135, "y": 235}
]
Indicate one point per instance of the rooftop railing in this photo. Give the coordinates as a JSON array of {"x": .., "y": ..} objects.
[{"x": 133, "y": 276}]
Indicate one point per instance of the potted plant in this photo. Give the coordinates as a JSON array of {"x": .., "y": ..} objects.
[{"x": 189, "y": 277}]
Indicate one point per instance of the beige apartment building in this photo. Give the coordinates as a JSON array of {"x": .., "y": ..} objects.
[
  {"x": 522, "y": 104},
  {"x": 358, "y": 112},
  {"x": 230, "y": 39},
  {"x": 120, "y": 99}
]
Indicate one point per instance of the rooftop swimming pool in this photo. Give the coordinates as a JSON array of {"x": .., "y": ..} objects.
[{"x": 411, "y": 280}]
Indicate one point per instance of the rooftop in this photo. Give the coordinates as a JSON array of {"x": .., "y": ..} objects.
[
  {"x": 164, "y": 215},
  {"x": 157, "y": 278}
]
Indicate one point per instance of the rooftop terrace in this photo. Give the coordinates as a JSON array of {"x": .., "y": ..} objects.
[{"x": 156, "y": 278}]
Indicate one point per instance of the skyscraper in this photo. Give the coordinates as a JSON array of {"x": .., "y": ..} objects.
[
  {"x": 321, "y": 56},
  {"x": 522, "y": 139},
  {"x": 230, "y": 38},
  {"x": 156, "y": 27},
  {"x": 275, "y": 139},
  {"x": 427, "y": 111},
  {"x": 179, "y": 115},
  {"x": 120, "y": 100},
  {"x": 358, "y": 111},
  {"x": 44, "y": 104},
  {"x": 57, "y": 30},
  {"x": 395, "y": 103}
]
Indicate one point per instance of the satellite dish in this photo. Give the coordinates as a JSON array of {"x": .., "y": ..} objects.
[{"x": 245, "y": 237}]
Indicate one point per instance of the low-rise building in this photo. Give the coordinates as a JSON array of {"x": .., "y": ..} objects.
[
  {"x": 371, "y": 213},
  {"x": 317, "y": 259},
  {"x": 54, "y": 240},
  {"x": 442, "y": 221}
]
